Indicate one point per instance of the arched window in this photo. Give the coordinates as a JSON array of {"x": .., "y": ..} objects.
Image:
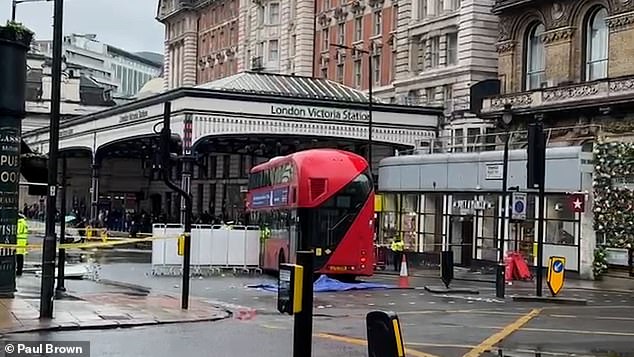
[
  {"x": 597, "y": 45},
  {"x": 535, "y": 60}
]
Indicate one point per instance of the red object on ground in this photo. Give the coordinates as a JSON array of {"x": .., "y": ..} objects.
[
  {"x": 403, "y": 279},
  {"x": 522, "y": 271},
  {"x": 516, "y": 267}
]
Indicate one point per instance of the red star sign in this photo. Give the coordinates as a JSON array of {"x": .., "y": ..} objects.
[{"x": 577, "y": 203}]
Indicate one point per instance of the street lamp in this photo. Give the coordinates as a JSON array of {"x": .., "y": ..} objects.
[
  {"x": 14, "y": 5},
  {"x": 507, "y": 118},
  {"x": 370, "y": 93}
]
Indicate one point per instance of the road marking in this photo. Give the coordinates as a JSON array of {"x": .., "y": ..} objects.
[
  {"x": 273, "y": 327},
  {"x": 594, "y": 317},
  {"x": 362, "y": 342},
  {"x": 502, "y": 334},
  {"x": 475, "y": 311},
  {"x": 579, "y": 332},
  {"x": 439, "y": 345}
]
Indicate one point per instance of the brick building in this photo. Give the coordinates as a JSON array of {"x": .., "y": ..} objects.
[
  {"x": 367, "y": 25},
  {"x": 567, "y": 63},
  {"x": 208, "y": 40}
]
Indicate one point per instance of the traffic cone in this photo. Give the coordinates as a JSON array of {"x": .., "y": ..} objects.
[{"x": 403, "y": 279}]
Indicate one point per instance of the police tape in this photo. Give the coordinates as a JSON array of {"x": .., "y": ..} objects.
[{"x": 67, "y": 246}]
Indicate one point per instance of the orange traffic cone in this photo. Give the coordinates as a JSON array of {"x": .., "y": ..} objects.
[{"x": 403, "y": 279}]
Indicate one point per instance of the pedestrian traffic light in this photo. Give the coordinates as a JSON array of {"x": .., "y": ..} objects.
[
  {"x": 290, "y": 285},
  {"x": 536, "y": 152}
]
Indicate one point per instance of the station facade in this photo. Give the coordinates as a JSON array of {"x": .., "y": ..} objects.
[
  {"x": 453, "y": 202},
  {"x": 229, "y": 125}
]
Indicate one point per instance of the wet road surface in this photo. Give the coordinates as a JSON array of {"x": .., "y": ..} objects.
[{"x": 433, "y": 325}]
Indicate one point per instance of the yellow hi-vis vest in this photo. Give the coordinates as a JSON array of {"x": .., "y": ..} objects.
[
  {"x": 22, "y": 236},
  {"x": 397, "y": 246}
]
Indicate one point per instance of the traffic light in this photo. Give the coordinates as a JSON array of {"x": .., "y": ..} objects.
[{"x": 536, "y": 150}]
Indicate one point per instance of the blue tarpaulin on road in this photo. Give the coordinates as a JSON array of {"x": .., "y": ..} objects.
[{"x": 326, "y": 284}]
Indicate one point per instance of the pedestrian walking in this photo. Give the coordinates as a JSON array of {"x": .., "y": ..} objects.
[
  {"x": 397, "y": 250},
  {"x": 22, "y": 242}
]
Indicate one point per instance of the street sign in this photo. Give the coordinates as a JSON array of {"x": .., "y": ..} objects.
[
  {"x": 556, "y": 270},
  {"x": 519, "y": 206}
]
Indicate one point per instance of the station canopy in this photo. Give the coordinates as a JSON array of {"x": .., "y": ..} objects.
[{"x": 288, "y": 86}]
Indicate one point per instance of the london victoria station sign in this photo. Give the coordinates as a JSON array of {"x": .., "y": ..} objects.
[{"x": 319, "y": 113}]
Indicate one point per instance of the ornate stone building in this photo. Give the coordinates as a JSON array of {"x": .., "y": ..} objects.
[
  {"x": 207, "y": 40},
  {"x": 567, "y": 63},
  {"x": 443, "y": 47}
]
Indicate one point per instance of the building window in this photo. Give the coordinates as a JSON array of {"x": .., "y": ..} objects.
[
  {"x": 597, "y": 45},
  {"x": 440, "y": 6},
  {"x": 260, "y": 15},
  {"x": 324, "y": 72},
  {"x": 448, "y": 96},
  {"x": 325, "y": 38},
  {"x": 326, "y": 5},
  {"x": 341, "y": 32},
  {"x": 226, "y": 166},
  {"x": 274, "y": 50},
  {"x": 259, "y": 49},
  {"x": 292, "y": 45},
  {"x": 535, "y": 57},
  {"x": 340, "y": 71},
  {"x": 434, "y": 51},
  {"x": 376, "y": 21},
  {"x": 376, "y": 68},
  {"x": 274, "y": 13},
  {"x": 452, "y": 48},
  {"x": 422, "y": 9},
  {"x": 393, "y": 74},
  {"x": 430, "y": 94},
  {"x": 357, "y": 73},
  {"x": 358, "y": 28}
]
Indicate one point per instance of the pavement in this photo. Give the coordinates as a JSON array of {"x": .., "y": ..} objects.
[
  {"x": 433, "y": 324},
  {"x": 97, "y": 306}
]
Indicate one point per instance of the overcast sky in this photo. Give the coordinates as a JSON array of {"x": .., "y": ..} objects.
[{"x": 128, "y": 24}]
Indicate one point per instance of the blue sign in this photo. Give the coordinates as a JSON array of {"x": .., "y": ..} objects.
[
  {"x": 280, "y": 196},
  {"x": 558, "y": 266},
  {"x": 519, "y": 206},
  {"x": 261, "y": 199}
]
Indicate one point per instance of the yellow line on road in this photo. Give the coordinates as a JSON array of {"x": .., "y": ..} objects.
[
  {"x": 362, "y": 342},
  {"x": 502, "y": 334}
]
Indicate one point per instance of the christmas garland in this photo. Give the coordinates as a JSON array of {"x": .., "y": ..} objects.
[{"x": 614, "y": 193}]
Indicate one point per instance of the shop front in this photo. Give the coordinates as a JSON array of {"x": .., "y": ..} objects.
[{"x": 451, "y": 204}]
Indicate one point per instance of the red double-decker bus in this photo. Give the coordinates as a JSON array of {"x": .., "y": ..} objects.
[{"x": 319, "y": 199}]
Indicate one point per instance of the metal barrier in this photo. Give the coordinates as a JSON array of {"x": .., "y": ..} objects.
[{"x": 214, "y": 249}]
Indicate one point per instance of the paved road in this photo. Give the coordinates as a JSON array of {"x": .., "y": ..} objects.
[{"x": 433, "y": 324}]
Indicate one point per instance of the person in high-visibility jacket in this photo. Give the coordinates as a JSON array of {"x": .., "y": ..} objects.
[
  {"x": 397, "y": 248},
  {"x": 22, "y": 241}
]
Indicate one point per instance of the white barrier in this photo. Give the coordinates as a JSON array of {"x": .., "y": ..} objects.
[{"x": 213, "y": 248}]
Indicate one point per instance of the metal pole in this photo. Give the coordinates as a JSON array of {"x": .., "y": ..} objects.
[
  {"x": 61, "y": 258},
  {"x": 370, "y": 123},
  {"x": 540, "y": 237},
  {"x": 499, "y": 276},
  {"x": 14, "y": 6},
  {"x": 303, "y": 324},
  {"x": 48, "y": 254},
  {"x": 166, "y": 137},
  {"x": 541, "y": 168}
]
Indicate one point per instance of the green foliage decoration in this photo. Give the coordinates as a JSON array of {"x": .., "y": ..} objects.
[
  {"x": 613, "y": 186},
  {"x": 16, "y": 32},
  {"x": 600, "y": 263}
]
